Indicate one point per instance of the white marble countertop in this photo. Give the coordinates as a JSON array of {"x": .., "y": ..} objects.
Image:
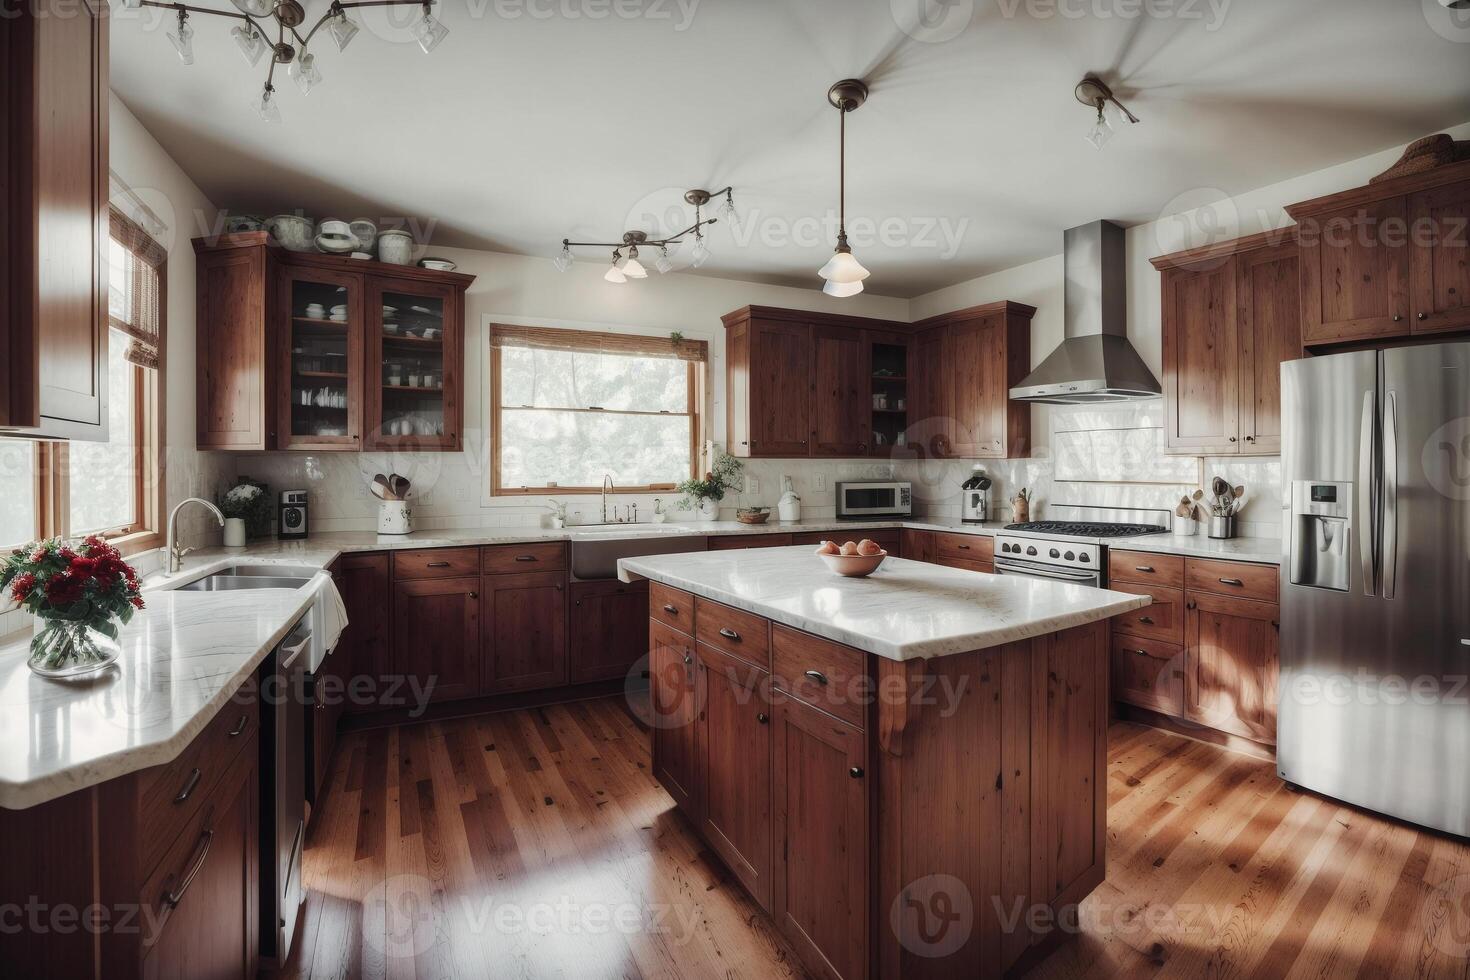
[
  {"x": 1262, "y": 550},
  {"x": 904, "y": 611}
]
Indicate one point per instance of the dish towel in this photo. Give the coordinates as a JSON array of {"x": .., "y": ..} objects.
[{"x": 334, "y": 614}]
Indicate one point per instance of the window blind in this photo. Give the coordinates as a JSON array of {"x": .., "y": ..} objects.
[
  {"x": 135, "y": 305},
  {"x": 592, "y": 341}
]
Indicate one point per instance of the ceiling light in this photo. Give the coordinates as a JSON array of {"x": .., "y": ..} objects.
[
  {"x": 429, "y": 31},
  {"x": 727, "y": 212},
  {"x": 844, "y": 273},
  {"x": 613, "y": 273},
  {"x": 1092, "y": 92},
  {"x": 265, "y": 106},
  {"x": 287, "y": 21},
  {"x": 183, "y": 39},
  {"x": 306, "y": 73},
  {"x": 634, "y": 269},
  {"x": 250, "y": 42}
]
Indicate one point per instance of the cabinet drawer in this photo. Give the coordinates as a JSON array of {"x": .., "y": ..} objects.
[
  {"x": 970, "y": 547},
  {"x": 1148, "y": 673},
  {"x": 1164, "y": 620},
  {"x": 672, "y": 607},
  {"x": 548, "y": 556},
  {"x": 733, "y": 631},
  {"x": 170, "y": 795},
  {"x": 1146, "y": 569},
  {"x": 739, "y": 542},
  {"x": 825, "y": 675},
  {"x": 1233, "y": 578},
  {"x": 436, "y": 563}
]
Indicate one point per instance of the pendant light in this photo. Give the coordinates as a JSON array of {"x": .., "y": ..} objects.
[
  {"x": 1092, "y": 92},
  {"x": 843, "y": 272}
]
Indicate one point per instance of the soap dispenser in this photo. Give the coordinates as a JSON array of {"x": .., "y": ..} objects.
[{"x": 788, "y": 508}]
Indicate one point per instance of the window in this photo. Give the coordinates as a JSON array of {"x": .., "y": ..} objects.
[
  {"x": 112, "y": 488},
  {"x": 569, "y": 407}
]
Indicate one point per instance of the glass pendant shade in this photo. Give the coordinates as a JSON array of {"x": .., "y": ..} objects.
[
  {"x": 183, "y": 42},
  {"x": 429, "y": 33},
  {"x": 255, "y": 8},
  {"x": 700, "y": 255},
  {"x": 728, "y": 214},
  {"x": 265, "y": 106},
  {"x": 563, "y": 260},
  {"x": 663, "y": 263},
  {"x": 633, "y": 269},
  {"x": 304, "y": 70},
  {"x": 614, "y": 274},
  {"x": 342, "y": 31},
  {"x": 250, "y": 42},
  {"x": 1100, "y": 131},
  {"x": 842, "y": 267},
  {"x": 840, "y": 289}
]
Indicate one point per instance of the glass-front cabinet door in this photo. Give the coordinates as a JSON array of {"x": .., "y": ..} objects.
[
  {"x": 415, "y": 352},
  {"x": 322, "y": 395}
]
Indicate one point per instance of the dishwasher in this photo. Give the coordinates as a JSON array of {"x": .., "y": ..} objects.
[{"x": 283, "y": 791}]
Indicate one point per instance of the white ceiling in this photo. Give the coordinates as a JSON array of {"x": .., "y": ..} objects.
[{"x": 542, "y": 119}]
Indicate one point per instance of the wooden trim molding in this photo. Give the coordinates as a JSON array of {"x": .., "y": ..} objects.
[
  {"x": 1451, "y": 173},
  {"x": 597, "y": 342},
  {"x": 1191, "y": 258},
  {"x": 820, "y": 319}
]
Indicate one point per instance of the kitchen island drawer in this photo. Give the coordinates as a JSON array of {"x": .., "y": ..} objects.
[
  {"x": 733, "y": 631},
  {"x": 823, "y": 674},
  {"x": 549, "y": 556},
  {"x": 672, "y": 607},
  {"x": 436, "y": 563}
]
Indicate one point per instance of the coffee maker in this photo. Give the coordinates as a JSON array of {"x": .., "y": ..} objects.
[{"x": 975, "y": 498}]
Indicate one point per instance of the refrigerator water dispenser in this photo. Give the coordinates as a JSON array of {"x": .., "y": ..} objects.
[{"x": 1320, "y": 528}]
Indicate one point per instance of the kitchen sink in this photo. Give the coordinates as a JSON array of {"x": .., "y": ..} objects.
[
  {"x": 270, "y": 571},
  {"x": 595, "y": 554},
  {"x": 221, "y": 582}
]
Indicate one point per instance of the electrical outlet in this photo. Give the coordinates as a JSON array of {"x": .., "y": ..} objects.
[
  {"x": 459, "y": 493},
  {"x": 752, "y": 485},
  {"x": 819, "y": 481},
  {"x": 361, "y": 490}
]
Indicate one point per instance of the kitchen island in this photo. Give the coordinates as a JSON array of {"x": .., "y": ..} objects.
[{"x": 907, "y": 771}]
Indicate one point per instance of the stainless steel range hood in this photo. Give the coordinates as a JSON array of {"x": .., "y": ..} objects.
[{"x": 1095, "y": 362}]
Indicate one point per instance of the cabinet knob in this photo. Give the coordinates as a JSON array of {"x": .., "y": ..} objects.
[
  {"x": 1189, "y": 604},
  {"x": 688, "y": 659},
  {"x": 1250, "y": 438},
  {"x": 1232, "y": 438},
  {"x": 1396, "y": 318},
  {"x": 1424, "y": 316},
  {"x": 856, "y": 772},
  {"x": 762, "y": 717},
  {"x": 476, "y": 595}
]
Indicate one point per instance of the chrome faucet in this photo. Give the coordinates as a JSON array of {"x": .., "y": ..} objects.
[
  {"x": 607, "y": 484},
  {"x": 173, "y": 554}
]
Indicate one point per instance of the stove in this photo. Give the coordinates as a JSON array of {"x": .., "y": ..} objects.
[{"x": 1071, "y": 550}]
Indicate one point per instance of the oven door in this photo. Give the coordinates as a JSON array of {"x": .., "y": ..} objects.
[{"x": 1035, "y": 569}]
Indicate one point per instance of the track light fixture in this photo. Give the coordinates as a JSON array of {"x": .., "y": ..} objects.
[
  {"x": 625, "y": 261},
  {"x": 290, "y": 47}
]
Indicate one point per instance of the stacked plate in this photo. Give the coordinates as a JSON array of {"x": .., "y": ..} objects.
[
  {"x": 336, "y": 238},
  {"x": 339, "y": 313}
]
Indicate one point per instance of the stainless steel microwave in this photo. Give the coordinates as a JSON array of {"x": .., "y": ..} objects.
[{"x": 889, "y": 499}]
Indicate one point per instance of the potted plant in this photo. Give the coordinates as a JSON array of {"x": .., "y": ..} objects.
[
  {"x": 558, "y": 509},
  {"x": 247, "y": 510},
  {"x": 703, "y": 496},
  {"x": 78, "y": 596}
]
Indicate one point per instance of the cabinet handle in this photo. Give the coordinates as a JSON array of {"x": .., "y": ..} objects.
[
  {"x": 963, "y": 547},
  {"x": 437, "y": 564},
  {"x": 762, "y": 717},
  {"x": 1424, "y": 316},
  {"x": 1232, "y": 581},
  {"x": 856, "y": 772},
  {"x": 729, "y": 634},
  {"x": 558, "y": 586},
  {"x": 525, "y": 557},
  {"x": 817, "y": 676},
  {"x": 688, "y": 659},
  {"x": 476, "y": 595},
  {"x": 173, "y": 898},
  {"x": 1146, "y": 620},
  {"x": 1232, "y": 438},
  {"x": 240, "y": 726},
  {"x": 189, "y": 787},
  {"x": 863, "y": 447},
  {"x": 1250, "y": 438},
  {"x": 1190, "y": 604},
  {"x": 1143, "y": 568},
  {"x": 671, "y": 609},
  {"x": 1140, "y": 653}
]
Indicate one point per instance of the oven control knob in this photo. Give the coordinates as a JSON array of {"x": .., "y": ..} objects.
[
  {"x": 1070, "y": 556},
  {"x": 1084, "y": 556},
  {"x": 1030, "y": 551},
  {"x": 1055, "y": 553}
]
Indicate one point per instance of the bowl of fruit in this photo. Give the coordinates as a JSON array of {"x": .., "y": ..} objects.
[{"x": 853, "y": 559}]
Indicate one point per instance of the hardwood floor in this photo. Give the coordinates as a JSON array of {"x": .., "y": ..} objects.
[{"x": 536, "y": 843}]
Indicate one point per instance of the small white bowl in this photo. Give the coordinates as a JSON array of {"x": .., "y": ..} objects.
[{"x": 854, "y": 566}]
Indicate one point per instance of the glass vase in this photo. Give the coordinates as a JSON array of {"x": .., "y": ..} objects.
[{"x": 64, "y": 649}]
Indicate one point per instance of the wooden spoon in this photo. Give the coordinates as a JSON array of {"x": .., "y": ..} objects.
[
  {"x": 399, "y": 486},
  {"x": 379, "y": 480}
]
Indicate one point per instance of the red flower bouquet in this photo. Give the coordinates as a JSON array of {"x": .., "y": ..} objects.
[{"x": 78, "y": 594}]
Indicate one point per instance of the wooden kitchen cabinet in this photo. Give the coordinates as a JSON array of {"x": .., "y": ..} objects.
[
  {"x": 735, "y": 766},
  {"x": 436, "y": 635},
  {"x": 1231, "y": 316},
  {"x": 607, "y": 629},
  {"x": 966, "y": 363},
  {"x": 1387, "y": 260},
  {"x": 841, "y": 401},
  {"x": 366, "y": 647},
  {"x": 820, "y": 881},
  {"x": 673, "y": 673},
  {"x": 1231, "y": 664},
  {"x": 768, "y": 401},
  {"x": 54, "y": 219},
  {"x": 272, "y": 377},
  {"x": 523, "y": 636}
]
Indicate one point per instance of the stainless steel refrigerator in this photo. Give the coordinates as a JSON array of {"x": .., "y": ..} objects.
[{"x": 1375, "y": 590}]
